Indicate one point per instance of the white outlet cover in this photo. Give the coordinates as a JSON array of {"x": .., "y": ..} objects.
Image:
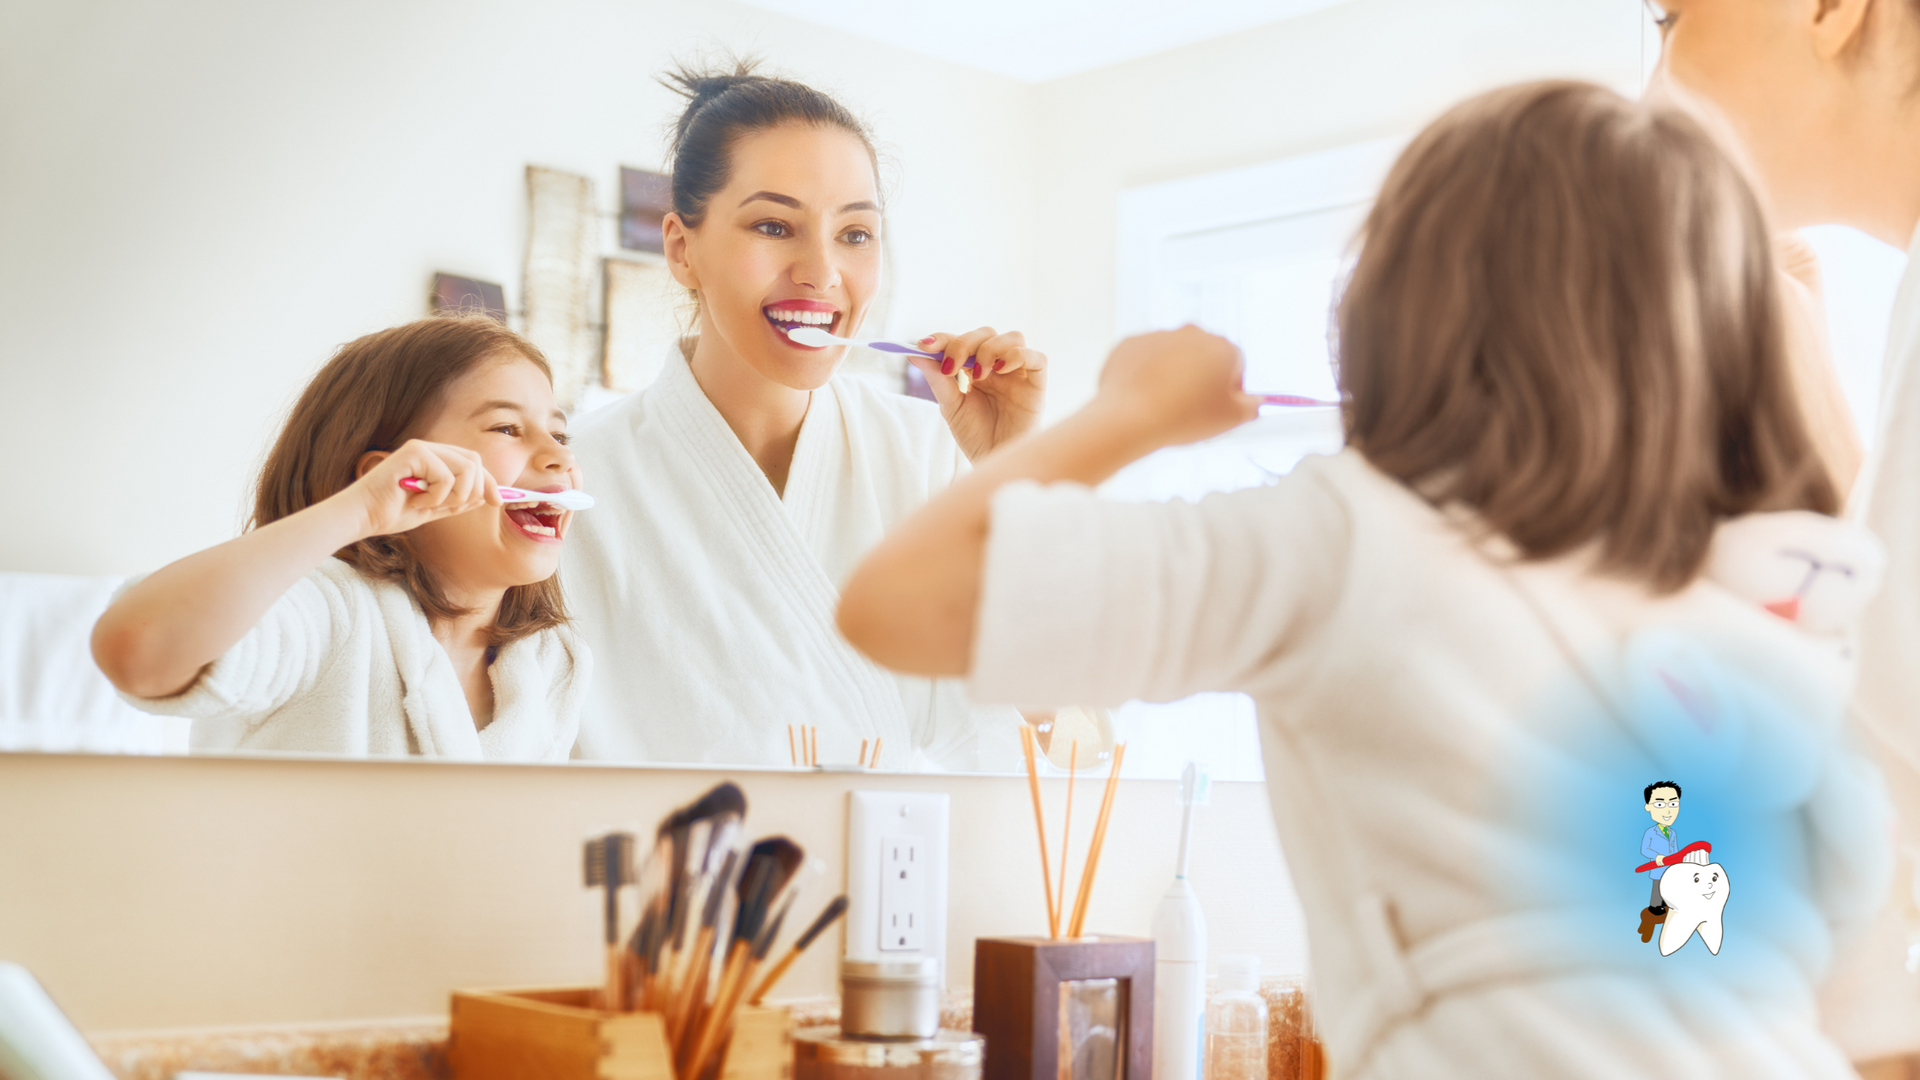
[{"x": 897, "y": 875}]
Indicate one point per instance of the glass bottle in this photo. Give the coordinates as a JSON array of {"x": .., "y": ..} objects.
[{"x": 1237, "y": 1022}]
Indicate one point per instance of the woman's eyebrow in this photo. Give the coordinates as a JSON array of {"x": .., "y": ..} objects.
[
  {"x": 510, "y": 406},
  {"x": 790, "y": 201}
]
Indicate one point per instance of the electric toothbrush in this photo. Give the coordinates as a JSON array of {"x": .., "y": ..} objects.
[{"x": 1180, "y": 955}]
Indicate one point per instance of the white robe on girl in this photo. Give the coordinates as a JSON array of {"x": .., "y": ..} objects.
[
  {"x": 710, "y": 598},
  {"x": 1428, "y": 709},
  {"x": 347, "y": 665}
]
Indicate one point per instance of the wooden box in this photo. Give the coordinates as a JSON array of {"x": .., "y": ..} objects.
[
  {"x": 557, "y": 1034},
  {"x": 1019, "y": 1002}
]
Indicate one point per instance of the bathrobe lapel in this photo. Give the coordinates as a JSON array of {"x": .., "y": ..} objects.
[{"x": 788, "y": 539}]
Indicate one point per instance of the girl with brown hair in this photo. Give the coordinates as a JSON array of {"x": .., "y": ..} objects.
[
  {"x": 360, "y": 617},
  {"x": 1573, "y": 459}
]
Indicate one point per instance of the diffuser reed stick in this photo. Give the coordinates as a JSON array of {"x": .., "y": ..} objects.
[
  {"x": 793, "y": 752},
  {"x": 1066, "y": 828},
  {"x": 874, "y": 761},
  {"x": 1093, "y": 850},
  {"x": 1040, "y": 826}
]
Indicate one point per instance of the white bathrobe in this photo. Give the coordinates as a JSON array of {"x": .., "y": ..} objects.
[
  {"x": 710, "y": 599},
  {"x": 1875, "y": 1001},
  {"x": 347, "y": 665},
  {"x": 1422, "y": 696}
]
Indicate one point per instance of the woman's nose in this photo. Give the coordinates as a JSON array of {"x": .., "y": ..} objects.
[{"x": 815, "y": 267}]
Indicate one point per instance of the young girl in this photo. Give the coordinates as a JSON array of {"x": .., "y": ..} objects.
[
  {"x": 1577, "y": 543},
  {"x": 751, "y": 476},
  {"x": 356, "y": 616}
]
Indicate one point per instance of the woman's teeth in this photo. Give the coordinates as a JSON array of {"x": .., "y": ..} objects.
[{"x": 804, "y": 318}]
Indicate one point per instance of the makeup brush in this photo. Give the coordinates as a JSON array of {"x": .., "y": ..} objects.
[
  {"x": 609, "y": 866},
  {"x": 711, "y": 823},
  {"x": 769, "y": 867},
  {"x": 691, "y": 990},
  {"x": 827, "y": 918},
  {"x": 1093, "y": 851}
]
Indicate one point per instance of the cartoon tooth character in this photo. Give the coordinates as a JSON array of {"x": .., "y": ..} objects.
[{"x": 1695, "y": 892}]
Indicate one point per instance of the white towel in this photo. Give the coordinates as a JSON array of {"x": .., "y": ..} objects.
[
  {"x": 710, "y": 598},
  {"x": 343, "y": 664}
]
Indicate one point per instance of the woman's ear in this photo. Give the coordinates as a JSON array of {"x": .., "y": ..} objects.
[
  {"x": 674, "y": 236},
  {"x": 1837, "y": 25},
  {"x": 367, "y": 461}
]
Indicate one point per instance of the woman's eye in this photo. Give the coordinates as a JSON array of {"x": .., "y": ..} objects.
[
  {"x": 562, "y": 438},
  {"x": 858, "y": 237},
  {"x": 775, "y": 229}
]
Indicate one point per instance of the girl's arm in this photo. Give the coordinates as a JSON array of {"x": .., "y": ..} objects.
[
  {"x": 158, "y": 636},
  {"x": 911, "y": 604}
]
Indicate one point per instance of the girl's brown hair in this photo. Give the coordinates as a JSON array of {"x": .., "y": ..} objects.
[
  {"x": 371, "y": 396},
  {"x": 1565, "y": 316}
]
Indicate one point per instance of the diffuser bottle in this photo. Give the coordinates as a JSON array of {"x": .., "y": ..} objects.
[{"x": 1237, "y": 1022}]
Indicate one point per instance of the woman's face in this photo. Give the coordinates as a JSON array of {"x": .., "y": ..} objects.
[
  {"x": 504, "y": 411},
  {"x": 793, "y": 239},
  {"x": 1759, "y": 63}
]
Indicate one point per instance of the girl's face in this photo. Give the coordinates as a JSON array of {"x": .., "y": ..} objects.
[
  {"x": 793, "y": 239},
  {"x": 503, "y": 410}
]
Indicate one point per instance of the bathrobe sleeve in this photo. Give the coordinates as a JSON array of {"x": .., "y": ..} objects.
[
  {"x": 1092, "y": 602},
  {"x": 284, "y": 654}
]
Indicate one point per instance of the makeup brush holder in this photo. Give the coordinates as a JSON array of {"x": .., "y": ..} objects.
[
  {"x": 1068, "y": 1009},
  {"x": 560, "y": 1034}
]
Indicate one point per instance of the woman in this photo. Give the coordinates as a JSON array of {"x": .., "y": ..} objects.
[
  {"x": 739, "y": 490},
  {"x": 1826, "y": 97}
]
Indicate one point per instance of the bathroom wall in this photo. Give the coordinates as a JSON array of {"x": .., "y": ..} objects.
[
  {"x": 165, "y": 893},
  {"x": 1351, "y": 72},
  {"x": 199, "y": 202}
]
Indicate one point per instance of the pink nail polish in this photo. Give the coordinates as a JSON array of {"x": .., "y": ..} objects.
[
  {"x": 998, "y": 364},
  {"x": 946, "y": 366},
  {"x": 925, "y": 341}
]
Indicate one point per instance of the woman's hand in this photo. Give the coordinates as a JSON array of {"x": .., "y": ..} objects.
[
  {"x": 1009, "y": 386},
  {"x": 1176, "y": 386},
  {"x": 457, "y": 482}
]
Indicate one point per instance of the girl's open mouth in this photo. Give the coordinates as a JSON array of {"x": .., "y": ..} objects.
[
  {"x": 787, "y": 314},
  {"x": 537, "y": 520}
]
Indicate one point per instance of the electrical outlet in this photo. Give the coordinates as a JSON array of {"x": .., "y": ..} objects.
[{"x": 896, "y": 875}]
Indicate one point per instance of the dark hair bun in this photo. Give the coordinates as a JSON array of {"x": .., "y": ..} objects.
[{"x": 726, "y": 103}]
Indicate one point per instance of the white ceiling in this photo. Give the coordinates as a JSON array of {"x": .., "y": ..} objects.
[{"x": 1037, "y": 40}]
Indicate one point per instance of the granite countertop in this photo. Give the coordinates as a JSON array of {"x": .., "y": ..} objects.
[{"x": 417, "y": 1050}]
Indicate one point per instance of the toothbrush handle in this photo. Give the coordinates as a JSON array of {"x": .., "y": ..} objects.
[
  {"x": 1294, "y": 401},
  {"x": 888, "y": 346},
  {"x": 414, "y": 483}
]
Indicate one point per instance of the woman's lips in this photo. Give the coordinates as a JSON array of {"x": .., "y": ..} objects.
[{"x": 784, "y": 315}]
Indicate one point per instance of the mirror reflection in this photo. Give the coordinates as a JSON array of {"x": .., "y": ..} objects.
[{"x": 324, "y": 314}]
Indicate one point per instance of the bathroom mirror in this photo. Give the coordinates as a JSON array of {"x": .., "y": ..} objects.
[{"x": 199, "y": 202}]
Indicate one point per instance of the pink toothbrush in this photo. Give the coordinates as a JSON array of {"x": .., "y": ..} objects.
[
  {"x": 565, "y": 500},
  {"x": 1296, "y": 401}
]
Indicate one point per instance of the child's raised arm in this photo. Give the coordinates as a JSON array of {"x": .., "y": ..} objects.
[
  {"x": 155, "y": 640},
  {"x": 912, "y": 603}
]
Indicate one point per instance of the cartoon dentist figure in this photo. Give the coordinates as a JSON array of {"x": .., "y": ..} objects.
[{"x": 1659, "y": 843}]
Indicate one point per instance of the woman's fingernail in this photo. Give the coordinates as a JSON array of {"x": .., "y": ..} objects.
[
  {"x": 928, "y": 340},
  {"x": 998, "y": 364},
  {"x": 946, "y": 366}
]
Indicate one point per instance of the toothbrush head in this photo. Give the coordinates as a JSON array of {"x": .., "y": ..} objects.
[
  {"x": 1196, "y": 787},
  {"x": 811, "y": 335}
]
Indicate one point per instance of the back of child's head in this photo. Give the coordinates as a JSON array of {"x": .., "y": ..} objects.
[
  {"x": 374, "y": 394},
  {"x": 1565, "y": 315}
]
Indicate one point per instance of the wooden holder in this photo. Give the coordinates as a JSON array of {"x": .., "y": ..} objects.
[
  {"x": 1017, "y": 985},
  {"x": 559, "y": 1034}
]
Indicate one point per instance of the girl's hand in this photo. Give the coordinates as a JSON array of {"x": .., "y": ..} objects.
[
  {"x": 1009, "y": 386},
  {"x": 456, "y": 480},
  {"x": 1177, "y": 386}
]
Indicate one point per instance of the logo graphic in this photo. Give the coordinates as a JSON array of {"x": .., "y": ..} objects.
[{"x": 1688, "y": 893}]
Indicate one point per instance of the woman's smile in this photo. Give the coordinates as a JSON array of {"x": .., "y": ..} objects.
[{"x": 784, "y": 315}]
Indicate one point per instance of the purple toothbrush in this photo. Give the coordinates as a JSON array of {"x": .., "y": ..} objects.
[{"x": 820, "y": 339}]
